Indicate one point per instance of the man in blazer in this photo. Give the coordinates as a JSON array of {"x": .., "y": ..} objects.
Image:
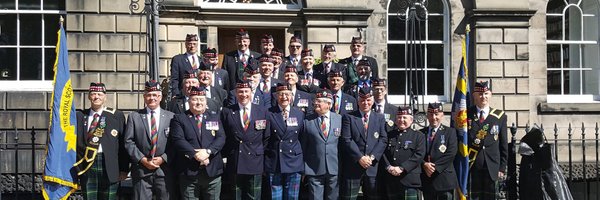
[
  {"x": 198, "y": 137},
  {"x": 319, "y": 140},
  {"x": 102, "y": 159},
  {"x": 328, "y": 56},
  {"x": 357, "y": 47},
  {"x": 215, "y": 96},
  {"x": 363, "y": 71},
  {"x": 301, "y": 99},
  {"x": 279, "y": 64},
  {"x": 267, "y": 82},
  {"x": 182, "y": 63},
  {"x": 310, "y": 80},
  {"x": 219, "y": 77},
  {"x": 488, "y": 147},
  {"x": 252, "y": 74},
  {"x": 234, "y": 62},
  {"x": 401, "y": 166},
  {"x": 295, "y": 58},
  {"x": 146, "y": 141},
  {"x": 438, "y": 179},
  {"x": 245, "y": 126},
  {"x": 381, "y": 105},
  {"x": 363, "y": 142},
  {"x": 266, "y": 44},
  {"x": 283, "y": 154},
  {"x": 180, "y": 104},
  {"x": 342, "y": 103}
]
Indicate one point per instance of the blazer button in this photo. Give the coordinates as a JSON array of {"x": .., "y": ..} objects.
[
  {"x": 250, "y": 142},
  {"x": 291, "y": 141},
  {"x": 248, "y": 153},
  {"x": 275, "y": 130},
  {"x": 280, "y": 150},
  {"x": 280, "y": 140},
  {"x": 296, "y": 131},
  {"x": 240, "y": 151},
  {"x": 290, "y": 151},
  {"x": 483, "y": 147},
  {"x": 367, "y": 145},
  {"x": 394, "y": 158},
  {"x": 240, "y": 141}
]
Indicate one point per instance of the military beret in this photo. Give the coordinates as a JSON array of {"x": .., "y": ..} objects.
[
  {"x": 151, "y": 86},
  {"x": 242, "y": 33},
  {"x": 190, "y": 74},
  {"x": 378, "y": 82},
  {"x": 267, "y": 38},
  {"x": 324, "y": 94},
  {"x": 282, "y": 87},
  {"x": 206, "y": 67},
  {"x": 365, "y": 92},
  {"x": 276, "y": 52},
  {"x": 209, "y": 53},
  {"x": 335, "y": 73},
  {"x": 295, "y": 39},
  {"x": 364, "y": 62},
  {"x": 251, "y": 68},
  {"x": 290, "y": 68},
  {"x": 307, "y": 52},
  {"x": 482, "y": 86},
  {"x": 244, "y": 84},
  {"x": 435, "y": 107},
  {"x": 197, "y": 91},
  {"x": 97, "y": 87},
  {"x": 404, "y": 110},
  {"x": 191, "y": 37},
  {"x": 266, "y": 58},
  {"x": 329, "y": 48},
  {"x": 357, "y": 40}
]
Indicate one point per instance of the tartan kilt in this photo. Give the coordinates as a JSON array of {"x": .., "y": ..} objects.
[{"x": 97, "y": 185}]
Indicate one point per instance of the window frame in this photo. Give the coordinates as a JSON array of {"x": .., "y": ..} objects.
[
  {"x": 445, "y": 41},
  {"x": 29, "y": 85}
]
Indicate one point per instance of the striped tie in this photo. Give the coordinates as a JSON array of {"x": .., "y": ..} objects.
[
  {"x": 336, "y": 104},
  {"x": 324, "y": 127},
  {"x": 246, "y": 120},
  {"x": 153, "y": 134},
  {"x": 194, "y": 63},
  {"x": 266, "y": 86},
  {"x": 366, "y": 122},
  {"x": 199, "y": 122},
  {"x": 93, "y": 125}
]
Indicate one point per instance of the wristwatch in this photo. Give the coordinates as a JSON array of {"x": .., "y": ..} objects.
[{"x": 208, "y": 151}]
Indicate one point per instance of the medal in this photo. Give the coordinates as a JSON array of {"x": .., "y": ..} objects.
[
  {"x": 114, "y": 133},
  {"x": 376, "y": 135},
  {"x": 349, "y": 106},
  {"x": 390, "y": 123},
  {"x": 337, "y": 132},
  {"x": 95, "y": 139},
  {"x": 213, "y": 133},
  {"x": 477, "y": 141},
  {"x": 496, "y": 137},
  {"x": 442, "y": 148}
]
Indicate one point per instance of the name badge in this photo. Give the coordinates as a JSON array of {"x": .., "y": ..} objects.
[
  {"x": 212, "y": 125},
  {"x": 349, "y": 106},
  {"x": 260, "y": 124},
  {"x": 302, "y": 102},
  {"x": 406, "y": 144},
  {"x": 292, "y": 121}
]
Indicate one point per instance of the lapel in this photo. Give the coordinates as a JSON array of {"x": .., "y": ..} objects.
[
  {"x": 192, "y": 121},
  {"x": 237, "y": 113},
  {"x": 359, "y": 125},
  {"x": 144, "y": 118},
  {"x": 372, "y": 122},
  {"x": 318, "y": 127},
  {"x": 278, "y": 115},
  {"x": 164, "y": 124},
  {"x": 187, "y": 62}
]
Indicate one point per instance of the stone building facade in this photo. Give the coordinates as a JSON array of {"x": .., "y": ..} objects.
[{"x": 509, "y": 47}]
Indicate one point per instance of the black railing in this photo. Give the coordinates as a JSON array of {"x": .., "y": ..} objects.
[{"x": 583, "y": 177}]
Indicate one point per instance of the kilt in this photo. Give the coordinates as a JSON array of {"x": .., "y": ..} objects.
[
  {"x": 284, "y": 185},
  {"x": 438, "y": 195},
  {"x": 349, "y": 188},
  {"x": 97, "y": 185},
  {"x": 397, "y": 191},
  {"x": 482, "y": 186},
  {"x": 248, "y": 187}
]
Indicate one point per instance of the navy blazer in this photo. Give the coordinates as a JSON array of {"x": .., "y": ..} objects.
[
  {"x": 389, "y": 113},
  {"x": 321, "y": 153},
  {"x": 406, "y": 150},
  {"x": 180, "y": 65},
  {"x": 232, "y": 65},
  {"x": 443, "y": 177},
  {"x": 221, "y": 79},
  {"x": 260, "y": 98},
  {"x": 186, "y": 138},
  {"x": 244, "y": 150},
  {"x": 284, "y": 153},
  {"x": 356, "y": 143},
  {"x": 347, "y": 104},
  {"x": 177, "y": 105}
]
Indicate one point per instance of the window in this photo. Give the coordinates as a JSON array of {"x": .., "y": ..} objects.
[
  {"x": 428, "y": 50},
  {"x": 27, "y": 43},
  {"x": 573, "y": 57}
]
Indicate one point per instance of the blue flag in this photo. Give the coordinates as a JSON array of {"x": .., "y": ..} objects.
[
  {"x": 59, "y": 179},
  {"x": 459, "y": 121}
]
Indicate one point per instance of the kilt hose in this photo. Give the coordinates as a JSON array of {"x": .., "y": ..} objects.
[{"x": 98, "y": 187}]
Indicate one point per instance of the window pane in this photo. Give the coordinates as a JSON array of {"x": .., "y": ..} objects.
[
  {"x": 398, "y": 6},
  {"x": 8, "y": 4},
  {"x": 436, "y": 27},
  {"x": 49, "y": 63},
  {"x": 554, "y": 82},
  {"x": 573, "y": 24},
  {"x": 8, "y": 66},
  {"x": 400, "y": 77},
  {"x": 202, "y": 35},
  {"x": 31, "y": 64},
  {"x": 8, "y": 29},
  {"x": 396, "y": 28},
  {"x": 396, "y": 56},
  {"x": 554, "y": 58},
  {"x": 571, "y": 57},
  {"x": 54, "y": 4},
  {"x": 554, "y": 27},
  {"x": 435, "y": 83},
  {"x": 31, "y": 29},
  {"x": 29, "y": 4},
  {"x": 51, "y": 27},
  {"x": 435, "y": 56},
  {"x": 572, "y": 82},
  {"x": 435, "y": 6},
  {"x": 555, "y": 6}
]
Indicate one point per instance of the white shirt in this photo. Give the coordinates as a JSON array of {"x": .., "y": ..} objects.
[
  {"x": 248, "y": 108},
  {"x": 186, "y": 104},
  {"x": 156, "y": 117},
  {"x": 382, "y": 104},
  {"x": 244, "y": 54},
  {"x": 89, "y": 122},
  {"x": 356, "y": 59},
  {"x": 486, "y": 112},
  {"x": 191, "y": 58},
  {"x": 208, "y": 96}
]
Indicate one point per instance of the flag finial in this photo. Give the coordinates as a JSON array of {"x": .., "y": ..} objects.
[{"x": 62, "y": 20}]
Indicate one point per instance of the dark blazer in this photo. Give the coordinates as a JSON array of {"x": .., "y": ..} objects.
[
  {"x": 320, "y": 153},
  {"x": 234, "y": 66},
  {"x": 444, "y": 177},
  {"x": 389, "y": 113},
  {"x": 280, "y": 72},
  {"x": 406, "y": 149},
  {"x": 180, "y": 65},
  {"x": 347, "y": 104},
  {"x": 320, "y": 68},
  {"x": 318, "y": 81},
  {"x": 222, "y": 79},
  {"x": 177, "y": 105},
  {"x": 351, "y": 75},
  {"x": 302, "y": 100},
  {"x": 260, "y": 98},
  {"x": 288, "y": 61},
  {"x": 356, "y": 143},
  {"x": 283, "y": 153},
  {"x": 113, "y": 145},
  {"x": 186, "y": 138},
  {"x": 138, "y": 141},
  {"x": 218, "y": 97},
  {"x": 494, "y": 147},
  {"x": 244, "y": 150}
]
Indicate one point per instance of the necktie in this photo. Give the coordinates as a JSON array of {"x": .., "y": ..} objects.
[
  {"x": 379, "y": 109},
  {"x": 336, "y": 104},
  {"x": 365, "y": 85},
  {"x": 93, "y": 125},
  {"x": 265, "y": 85},
  {"x": 285, "y": 114},
  {"x": 199, "y": 122},
  {"x": 246, "y": 120},
  {"x": 366, "y": 122},
  {"x": 481, "y": 116},
  {"x": 431, "y": 136},
  {"x": 309, "y": 77},
  {"x": 295, "y": 61},
  {"x": 153, "y": 134},
  {"x": 194, "y": 64},
  {"x": 243, "y": 59},
  {"x": 355, "y": 61},
  {"x": 324, "y": 127}
]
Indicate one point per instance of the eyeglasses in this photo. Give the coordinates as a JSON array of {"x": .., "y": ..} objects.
[{"x": 297, "y": 47}]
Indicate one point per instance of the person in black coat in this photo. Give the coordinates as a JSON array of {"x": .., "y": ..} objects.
[
  {"x": 215, "y": 96},
  {"x": 180, "y": 104},
  {"x": 198, "y": 137},
  {"x": 100, "y": 138},
  {"x": 357, "y": 47},
  {"x": 219, "y": 77},
  {"x": 295, "y": 58},
  {"x": 279, "y": 64},
  {"x": 381, "y": 104},
  {"x": 267, "y": 82},
  {"x": 234, "y": 62},
  {"x": 310, "y": 80},
  {"x": 342, "y": 103},
  {"x": 488, "y": 145},
  {"x": 401, "y": 166},
  {"x": 438, "y": 178},
  {"x": 182, "y": 63},
  {"x": 328, "y": 64}
]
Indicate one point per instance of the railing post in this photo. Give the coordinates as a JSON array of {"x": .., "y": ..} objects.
[
  {"x": 1, "y": 152},
  {"x": 570, "y": 134},
  {"x": 32, "y": 162},
  {"x": 16, "y": 164},
  {"x": 586, "y": 190},
  {"x": 511, "y": 181},
  {"x": 555, "y": 142},
  {"x": 597, "y": 168}
]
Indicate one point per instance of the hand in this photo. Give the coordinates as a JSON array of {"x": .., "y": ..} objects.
[
  {"x": 202, "y": 154},
  {"x": 501, "y": 175},
  {"x": 429, "y": 168},
  {"x": 205, "y": 162},
  {"x": 122, "y": 176},
  {"x": 158, "y": 161},
  {"x": 365, "y": 162},
  {"x": 149, "y": 165}
]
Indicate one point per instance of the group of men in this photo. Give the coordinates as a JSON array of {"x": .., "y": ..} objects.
[{"x": 265, "y": 126}]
